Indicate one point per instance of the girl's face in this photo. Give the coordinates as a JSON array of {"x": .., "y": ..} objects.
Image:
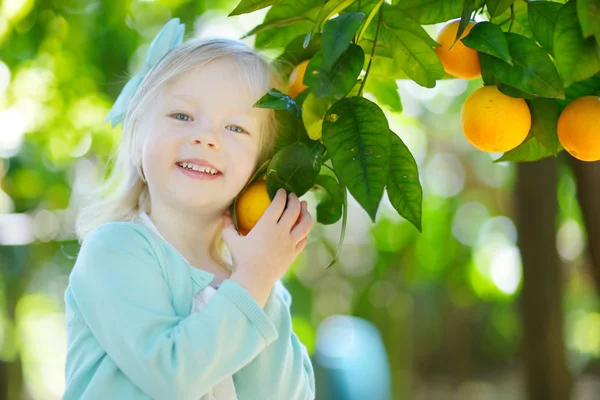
[{"x": 202, "y": 118}]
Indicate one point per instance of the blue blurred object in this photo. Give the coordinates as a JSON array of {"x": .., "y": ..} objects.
[{"x": 350, "y": 361}]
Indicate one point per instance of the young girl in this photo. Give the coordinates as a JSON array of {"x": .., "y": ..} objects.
[{"x": 166, "y": 300}]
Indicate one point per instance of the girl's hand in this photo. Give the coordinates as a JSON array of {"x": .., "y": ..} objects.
[{"x": 264, "y": 255}]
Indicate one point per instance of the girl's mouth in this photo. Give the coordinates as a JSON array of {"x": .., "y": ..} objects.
[{"x": 198, "y": 171}]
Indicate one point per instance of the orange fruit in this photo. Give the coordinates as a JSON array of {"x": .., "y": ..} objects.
[
  {"x": 251, "y": 205},
  {"x": 460, "y": 61},
  {"x": 295, "y": 82},
  {"x": 579, "y": 128},
  {"x": 493, "y": 121}
]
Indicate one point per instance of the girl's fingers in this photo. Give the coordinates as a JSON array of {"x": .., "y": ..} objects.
[
  {"x": 273, "y": 212},
  {"x": 302, "y": 229},
  {"x": 291, "y": 213},
  {"x": 301, "y": 245}
]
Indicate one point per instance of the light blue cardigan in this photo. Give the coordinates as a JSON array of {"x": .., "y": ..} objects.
[{"x": 131, "y": 335}]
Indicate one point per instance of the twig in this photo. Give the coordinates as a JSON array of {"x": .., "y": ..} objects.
[{"x": 362, "y": 85}]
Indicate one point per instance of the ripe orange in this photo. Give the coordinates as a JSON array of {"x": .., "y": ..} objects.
[
  {"x": 460, "y": 61},
  {"x": 493, "y": 121},
  {"x": 251, "y": 205},
  {"x": 295, "y": 82},
  {"x": 579, "y": 128}
]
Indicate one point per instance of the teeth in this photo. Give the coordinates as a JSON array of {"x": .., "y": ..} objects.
[{"x": 198, "y": 168}]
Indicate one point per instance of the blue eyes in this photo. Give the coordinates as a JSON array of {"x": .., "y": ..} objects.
[
  {"x": 180, "y": 114},
  {"x": 237, "y": 128}
]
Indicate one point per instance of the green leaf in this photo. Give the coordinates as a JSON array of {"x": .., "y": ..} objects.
[
  {"x": 294, "y": 168},
  {"x": 497, "y": 7},
  {"x": 329, "y": 209},
  {"x": 337, "y": 34},
  {"x": 246, "y": 6},
  {"x": 514, "y": 92},
  {"x": 588, "y": 12},
  {"x": 532, "y": 72},
  {"x": 386, "y": 67},
  {"x": 313, "y": 111},
  {"x": 295, "y": 53},
  {"x": 468, "y": 8},
  {"x": 356, "y": 133},
  {"x": 403, "y": 186},
  {"x": 433, "y": 11},
  {"x": 530, "y": 150},
  {"x": 520, "y": 24},
  {"x": 544, "y": 118},
  {"x": 486, "y": 63},
  {"x": 285, "y": 34},
  {"x": 330, "y": 8},
  {"x": 414, "y": 56},
  {"x": 489, "y": 38},
  {"x": 397, "y": 20},
  {"x": 288, "y": 114},
  {"x": 385, "y": 91},
  {"x": 275, "y": 23},
  {"x": 576, "y": 58},
  {"x": 589, "y": 87},
  {"x": 338, "y": 81},
  {"x": 367, "y": 23},
  {"x": 276, "y": 100},
  {"x": 291, "y": 130},
  {"x": 542, "y": 20}
]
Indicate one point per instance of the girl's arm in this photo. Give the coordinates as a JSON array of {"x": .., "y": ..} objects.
[
  {"x": 118, "y": 287},
  {"x": 283, "y": 370}
]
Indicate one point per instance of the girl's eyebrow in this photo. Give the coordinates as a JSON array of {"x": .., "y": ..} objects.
[
  {"x": 187, "y": 97},
  {"x": 195, "y": 100}
]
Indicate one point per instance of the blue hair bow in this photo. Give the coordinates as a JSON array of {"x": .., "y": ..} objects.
[{"x": 170, "y": 36}]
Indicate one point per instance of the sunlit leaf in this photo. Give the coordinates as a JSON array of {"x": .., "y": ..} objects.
[
  {"x": 433, "y": 11},
  {"x": 275, "y": 23},
  {"x": 577, "y": 58},
  {"x": 520, "y": 24},
  {"x": 246, "y": 6},
  {"x": 385, "y": 91},
  {"x": 588, "y": 12},
  {"x": 530, "y": 150},
  {"x": 313, "y": 111},
  {"x": 285, "y": 34},
  {"x": 414, "y": 56},
  {"x": 329, "y": 9}
]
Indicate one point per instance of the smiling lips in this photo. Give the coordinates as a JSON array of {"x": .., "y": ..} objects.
[{"x": 198, "y": 169}]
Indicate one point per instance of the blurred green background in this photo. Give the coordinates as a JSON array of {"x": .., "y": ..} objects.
[{"x": 448, "y": 302}]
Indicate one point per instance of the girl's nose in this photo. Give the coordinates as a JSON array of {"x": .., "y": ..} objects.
[{"x": 206, "y": 138}]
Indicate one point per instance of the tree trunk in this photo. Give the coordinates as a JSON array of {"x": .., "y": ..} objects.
[
  {"x": 588, "y": 194},
  {"x": 15, "y": 275},
  {"x": 11, "y": 380},
  {"x": 543, "y": 349}
]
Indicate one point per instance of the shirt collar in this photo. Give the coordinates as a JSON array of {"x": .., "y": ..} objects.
[{"x": 201, "y": 277}]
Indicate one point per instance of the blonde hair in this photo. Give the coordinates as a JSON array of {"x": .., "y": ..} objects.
[{"x": 124, "y": 193}]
